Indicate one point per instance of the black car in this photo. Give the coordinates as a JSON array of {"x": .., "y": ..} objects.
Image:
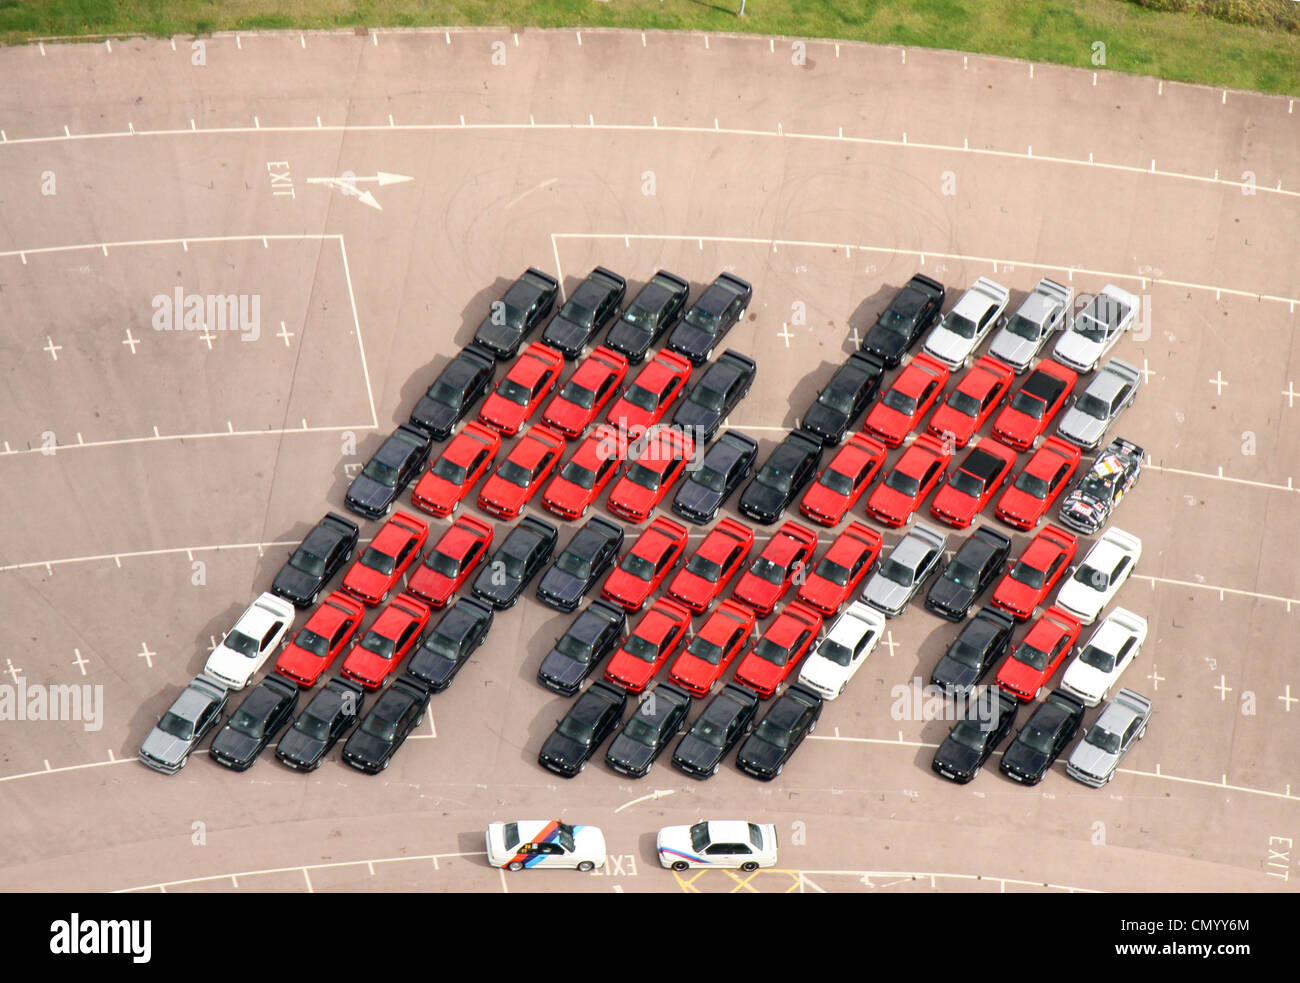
[
  {"x": 399, "y": 459},
  {"x": 446, "y": 648},
  {"x": 580, "y": 650},
  {"x": 977, "y": 648},
  {"x": 710, "y": 318},
  {"x": 266, "y": 709},
  {"x": 592, "y": 718},
  {"x": 329, "y": 715},
  {"x": 782, "y": 477},
  {"x": 397, "y": 712},
  {"x": 721, "y": 387},
  {"x": 853, "y": 386},
  {"x": 790, "y": 719},
  {"x": 1045, "y": 735},
  {"x": 647, "y": 732},
  {"x": 986, "y": 721},
  {"x": 460, "y": 385},
  {"x": 583, "y": 315},
  {"x": 653, "y": 310},
  {"x": 728, "y": 717},
  {"x": 913, "y": 309},
  {"x": 724, "y": 466},
  {"x": 580, "y": 564},
  {"x": 317, "y": 559},
  {"x": 524, "y": 551},
  {"x": 515, "y": 316},
  {"x": 968, "y": 574}
]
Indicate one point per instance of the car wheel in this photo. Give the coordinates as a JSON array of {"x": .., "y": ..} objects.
[
  {"x": 384, "y": 597},
  {"x": 780, "y": 768},
  {"x": 714, "y": 771},
  {"x": 749, "y": 866},
  {"x": 975, "y": 772},
  {"x": 813, "y": 726},
  {"x": 312, "y": 600},
  {"x": 1142, "y": 733},
  {"x": 514, "y": 865},
  {"x": 1105, "y": 696},
  {"x": 384, "y": 766},
  {"x": 586, "y": 866},
  {"x": 681, "y": 865},
  {"x": 1038, "y": 692},
  {"x": 708, "y": 355}
]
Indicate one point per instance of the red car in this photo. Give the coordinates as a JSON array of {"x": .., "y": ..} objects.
[
  {"x": 457, "y": 470},
  {"x": 643, "y": 653},
  {"x": 915, "y": 474},
  {"x": 1030, "y": 579},
  {"x": 582, "y": 478},
  {"x": 973, "y": 483},
  {"x": 393, "y": 634},
  {"x": 522, "y": 389},
  {"x": 659, "y": 384},
  {"x": 774, "y": 656},
  {"x": 1045, "y": 391},
  {"x": 1033, "y": 662},
  {"x": 769, "y": 577},
  {"x": 838, "y": 574},
  {"x": 591, "y": 386},
  {"x": 649, "y": 478},
  {"x": 319, "y": 642},
  {"x": 969, "y": 406},
  {"x": 706, "y": 658},
  {"x": 838, "y": 488},
  {"x": 907, "y": 400},
  {"x": 451, "y": 562},
  {"x": 376, "y": 571},
  {"x": 644, "y": 567},
  {"x": 1040, "y": 484},
  {"x": 525, "y": 469},
  {"x": 701, "y": 582}
]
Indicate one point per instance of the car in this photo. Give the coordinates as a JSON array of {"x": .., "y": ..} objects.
[
  {"x": 988, "y": 719},
  {"x": 1111, "y": 391},
  {"x": 331, "y": 713},
  {"x": 1044, "y": 477},
  {"x": 320, "y": 641},
  {"x": 1096, "y": 581},
  {"x": 722, "y": 844},
  {"x": 645, "y": 566},
  {"x": 1041, "y": 314},
  {"x": 914, "y": 559},
  {"x": 545, "y": 843},
  {"x": 787, "y": 471},
  {"x": 457, "y": 470},
  {"x": 593, "y": 305},
  {"x": 394, "y": 632},
  {"x": 381, "y": 565},
  {"x": 522, "y": 389},
  {"x": 1091, "y": 501},
  {"x": 968, "y": 574},
  {"x": 842, "y": 482},
  {"x": 955, "y": 338},
  {"x": 580, "y": 400},
  {"x": 778, "y": 652},
  {"x": 578, "y": 735},
  {"x": 516, "y": 561},
  {"x": 267, "y": 708},
  {"x": 518, "y": 313},
  {"x": 522, "y": 474},
  {"x": 446, "y": 648},
  {"x": 706, "y": 574},
  {"x": 447, "y": 567},
  {"x": 659, "y": 384},
  {"x": 648, "y": 480},
  {"x": 982, "y": 389},
  {"x": 841, "y": 569},
  {"x": 851, "y": 389},
  {"x": 728, "y": 462},
  {"x": 714, "y": 313},
  {"x": 706, "y": 658},
  {"x": 906, "y": 402},
  {"x": 982, "y": 641},
  {"x": 1041, "y": 740},
  {"x": 1110, "y": 650},
  {"x": 783, "y": 559},
  {"x": 582, "y": 478},
  {"x": 645, "y": 734},
  {"x": 462, "y": 383},
  {"x": 581, "y": 563},
  {"x": 1121, "y": 725},
  {"x": 187, "y": 721},
  {"x": 904, "y": 490},
  {"x": 726, "y": 718},
  {"x": 1096, "y": 328},
  {"x": 719, "y": 390},
  {"x": 1030, "y": 579},
  {"x": 397, "y": 712},
  {"x": 245, "y": 648},
  {"x": 972, "y": 484},
  {"x": 1032, "y": 663},
  {"x": 840, "y": 654},
  {"x": 900, "y": 325},
  {"x": 592, "y": 635},
  {"x": 317, "y": 559},
  {"x": 790, "y": 719},
  {"x": 394, "y": 466},
  {"x": 1044, "y": 393},
  {"x": 656, "y": 308},
  {"x": 657, "y": 636}
]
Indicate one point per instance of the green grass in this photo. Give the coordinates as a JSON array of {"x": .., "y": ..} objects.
[{"x": 1139, "y": 39}]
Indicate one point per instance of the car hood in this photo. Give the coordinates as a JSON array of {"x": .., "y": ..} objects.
[
  {"x": 294, "y": 583},
  {"x": 951, "y": 673},
  {"x": 950, "y": 595},
  {"x": 692, "y": 339},
  {"x": 1012, "y": 349},
  {"x": 434, "y": 416},
  {"x": 1082, "y": 428},
  {"x": 628, "y": 338},
  {"x": 883, "y": 593},
  {"x": 233, "y": 744},
  {"x": 1093, "y": 760},
  {"x": 496, "y": 336},
  {"x": 762, "y": 499},
  {"x": 563, "y": 671},
  {"x": 298, "y": 746},
  {"x": 760, "y": 755},
  {"x": 888, "y": 344},
  {"x": 1078, "y": 598},
  {"x": 633, "y": 754},
  {"x": 695, "y": 416},
  {"x": 164, "y": 747},
  {"x": 1024, "y": 759},
  {"x": 948, "y": 346},
  {"x": 561, "y": 586},
  {"x": 565, "y": 334},
  {"x": 1084, "y": 512},
  {"x": 563, "y": 750},
  {"x": 368, "y": 493},
  {"x": 1020, "y": 676},
  {"x": 1085, "y": 679},
  {"x": 363, "y": 747},
  {"x": 696, "y": 500},
  {"x": 1077, "y": 348},
  {"x": 698, "y": 753},
  {"x": 230, "y": 664},
  {"x": 366, "y": 663},
  {"x": 824, "y": 674},
  {"x": 824, "y": 420},
  {"x": 956, "y": 757},
  {"x": 432, "y": 668}
]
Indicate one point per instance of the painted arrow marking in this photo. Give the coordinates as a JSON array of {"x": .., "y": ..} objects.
[
  {"x": 348, "y": 185},
  {"x": 658, "y": 793}
]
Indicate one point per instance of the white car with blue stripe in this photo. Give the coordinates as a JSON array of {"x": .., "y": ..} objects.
[
  {"x": 718, "y": 843},
  {"x": 545, "y": 843}
]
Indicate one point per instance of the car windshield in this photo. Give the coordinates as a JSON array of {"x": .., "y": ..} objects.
[
  {"x": 638, "y": 566},
  {"x": 964, "y": 652},
  {"x": 514, "y": 565},
  {"x": 837, "y": 482},
  {"x": 639, "y": 474},
  {"x": 575, "y": 730},
  {"x": 959, "y": 324},
  {"x": 449, "y": 471},
  {"x": 699, "y": 836},
  {"x": 900, "y": 402},
  {"x": 1037, "y": 739},
  {"x": 897, "y": 572},
  {"x": 642, "y": 398},
  {"x": 771, "y": 652},
  {"x": 313, "y": 727},
  {"x": 176, "y": 726},
  {"x": 308, "y": 563},
  {"x": 441, "y": 392},
  {"x": 705, "y": 650},
  {"x": 578, "y": 395},
  {"x": 968, "y": 733},
  {"x": 1091, "y": 329},
  {"x": 515, "y": 474},
  {"x": 639, "y": 317},
  {"x": 1022, "y": 327},
  {"x": 1096, "y": 488},
  {"x": 313, "y": 643},
  {"x": 710, "y": 399},
  {"x": 704, "y": 320},
  {"x": 774, "y": 476},
  {"x": 713, "y": 480},
  {"x": 772, "y": 734},
  {"x": 1091, "y": 577},
  {"x": 703, "y": 567},
  {"x": 967, "y": 484},
  {"x": 713, "y": 732},
  {"x": 577, "y": 313},
  {"x": 378, "y": 560},
  {"x": 642, "y": 731},
  {"x": 838, "y": 401},
  {"x": 841, "y": 655},
  {"x": 441, "y": 645},
  {"x": 514, "y": 316},
  {"x": 379, "y": 645},
  {"x": 828, "y": 569},
  {"x": 1090, "y": 405},
  {"x": 1031, "y": 484},
  {"x": 577, "y": 650},
  {"x": 578, "y": 475},
  {"x": 380, "y": 729},
  {"x": 1101, "y": 738},
  {"x": 246, "y": 724},
  {"x": 514, "y": 392},
  {"x": 378, "y": 471},
  {"x": 899, "y": 323},
  {"x": 639, "y": 647},
  {"x": 765, "y": 569},
  {"x": 573, "y": 565},
  {"x": 1029, "y": 405},
  {"x": 903, "y": 482},
  {"x": 241, "y": 643},
  {"x": 1032, "y": 657},
  {"x": 1097, "y": 658},
  {"x": 1026, "y": 574},
  {"x": 964, "y": 403},
  {"x": 443, "y": 564},
  {"x": 961, "y": 575}
]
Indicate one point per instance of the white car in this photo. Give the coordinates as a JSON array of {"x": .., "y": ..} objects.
[
  {"x": 956, "y": 337},
  {"x": 545, "y": 843},
  {"x": 1102, "y": 573},
  {"x": 1043, "y": 312},
  {"x": 1096, "y": 328},
  {"x": 257, "y": 633},
  {"x": 1100, "y": 663},
  {"x": 718, "y": 843},
  {"x": 854, "y": 636}
]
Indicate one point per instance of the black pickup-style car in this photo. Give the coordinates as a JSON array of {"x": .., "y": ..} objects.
[
  {"x": 330, "y": 714},
  {"x": 399, "y": 459},
  {"x": 592, "y": 718},
  {"x": 785, "y": 473}
]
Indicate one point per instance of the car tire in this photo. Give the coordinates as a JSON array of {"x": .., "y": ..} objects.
[
  {"x": 384, "y": 766},
  {"x": 515, "y": 865},
  {"x": 779, "y": 768},
  {"x": 1142, "y": 733},
  {"x": 813, "y": 726},
  {"x": 681, "y": 865},
  {"x": 714, "y": 771},
  {"x": 586, "y": 866},
  {"x": 975, "y": 772},
  {"x": 1038, "y": 692},
  {"x": 749, "y": 866},
  {"x": 707, "y": 355}
]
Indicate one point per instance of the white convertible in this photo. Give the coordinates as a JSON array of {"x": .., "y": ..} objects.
[
  {"x": 956, "y": 337},
  {"x": 1101, "y": 574},
  {"x": 1102, "y": 661},
  {"x": 720, "y": 843},
  {"x": 854, "y": 636},
  {"x": 257, "y": 633}
]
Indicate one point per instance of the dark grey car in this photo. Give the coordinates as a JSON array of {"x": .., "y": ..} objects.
[{"x": 193, "y": 714}]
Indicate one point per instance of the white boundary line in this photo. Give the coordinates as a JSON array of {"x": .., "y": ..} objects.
[
  {"x": 931, "y": 877},
  {"x": 157, "y": 552}
]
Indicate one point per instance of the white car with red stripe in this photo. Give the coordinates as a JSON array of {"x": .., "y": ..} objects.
[
  {"x": 718, "y": 843},
  {"x": 545, "y": 843}
]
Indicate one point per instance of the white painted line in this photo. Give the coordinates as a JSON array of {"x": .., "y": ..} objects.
[{"x": 189, "y": 551}]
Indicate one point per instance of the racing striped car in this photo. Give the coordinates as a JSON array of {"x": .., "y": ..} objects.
[
  {"x": 718, "y": 843},
  {"x": 544, "y": 843},
  {"x": 1089, "y": 503}
]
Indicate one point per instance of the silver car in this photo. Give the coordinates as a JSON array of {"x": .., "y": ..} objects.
[
  {"x": 1097, "y": 328},
  {"x": 962, "y": 329},
  {"x": 1110, "y": 393},
  {"x": 178, "y": 732},
  {"x": 910, "y": 564},
  {"x": 1121, "y": 725},
  {"x": 1042, "y": 313}
]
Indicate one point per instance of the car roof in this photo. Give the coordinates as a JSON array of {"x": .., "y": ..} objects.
[
  {"x": 848, "y": 628},
  {"x": 1106, "y": 383},
  {"x": 1037, "y": 306},
  {"x": 982, "y": 464},
  {"x": 909, "y": 551},
  {"x": 1109, "y": 636},
  {"x": 716, "y": 298},
  {"x": 587, "y": 626},
  {"x": 1044, "y": 385},
  {"x": 589, "y": 707},
  {"x": 190, "y": 703},
  {"x": 728, "y": 831}
]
